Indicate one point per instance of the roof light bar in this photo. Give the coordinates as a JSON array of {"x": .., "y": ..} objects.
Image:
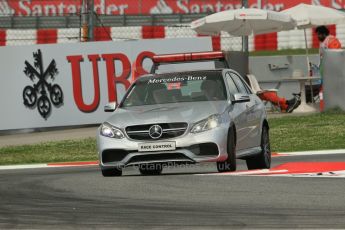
[{"x": 188, "y": 57}]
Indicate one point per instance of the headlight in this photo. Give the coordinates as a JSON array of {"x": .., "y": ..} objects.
[
  {"x": 108, "y": 130},
  {"x": 209, "y": 123}
]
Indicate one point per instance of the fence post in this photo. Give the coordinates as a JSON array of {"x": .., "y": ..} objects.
[
  {"x": 245, "y": 38},
  {"x": 91, "y": 11},
  {"x": 84, "y": 22}
]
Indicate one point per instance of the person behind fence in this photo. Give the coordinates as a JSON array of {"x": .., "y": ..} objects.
[{"x": 327, "y": 41}]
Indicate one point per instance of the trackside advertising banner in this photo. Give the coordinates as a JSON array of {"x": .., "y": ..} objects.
[
  {"x": 68, "y": 84},
  {"x": 120, "y": 7}
]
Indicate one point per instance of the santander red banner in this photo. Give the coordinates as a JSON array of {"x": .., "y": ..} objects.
[{"x": 119, "y": 7}]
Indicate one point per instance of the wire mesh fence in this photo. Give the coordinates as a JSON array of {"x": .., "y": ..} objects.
[
  {"x": 25, "y": 22},
  {"x": 12, "y": 37}
]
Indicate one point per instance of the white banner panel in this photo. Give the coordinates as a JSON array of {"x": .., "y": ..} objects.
[{"x": 68, "y": 84}]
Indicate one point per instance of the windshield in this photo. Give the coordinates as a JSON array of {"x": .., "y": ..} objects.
[{"x": 177, "y": 87}]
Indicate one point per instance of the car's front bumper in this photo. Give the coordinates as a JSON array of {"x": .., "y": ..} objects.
[{"x": 208, "y": 146}]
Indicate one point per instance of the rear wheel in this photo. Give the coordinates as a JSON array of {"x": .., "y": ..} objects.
[
  {"x": 151, "y": 169},
  {"x": 111, "y": 172},
  {"x": 263, "y": 160},
  {"x": 230, "y": 164}
]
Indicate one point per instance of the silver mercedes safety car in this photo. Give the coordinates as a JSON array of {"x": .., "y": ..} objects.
[{"x": 182, "y": 118}]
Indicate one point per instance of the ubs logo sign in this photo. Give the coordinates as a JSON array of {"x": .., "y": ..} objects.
[{"x": 42, "y": 93}]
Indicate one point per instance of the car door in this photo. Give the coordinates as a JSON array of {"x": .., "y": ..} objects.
[
  {"x": 238, "y": 114},
  {"x": 252, "y": 114}
]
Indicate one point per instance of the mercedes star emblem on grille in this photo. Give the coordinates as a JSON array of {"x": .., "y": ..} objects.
[{"x": 155, "y": 131}]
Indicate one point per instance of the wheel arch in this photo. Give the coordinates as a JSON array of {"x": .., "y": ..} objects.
[
  {"x": 232, "y": 126},
  {"x": 265, "y": 123}
]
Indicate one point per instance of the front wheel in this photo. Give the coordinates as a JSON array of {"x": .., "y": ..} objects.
[
  {"x": 230, "y": 164},
  {"x": 263, "y": 160},
  {"x": 111, "y": 172}
]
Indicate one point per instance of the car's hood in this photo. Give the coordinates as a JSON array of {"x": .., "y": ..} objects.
[{"x": 189, "y": 112}]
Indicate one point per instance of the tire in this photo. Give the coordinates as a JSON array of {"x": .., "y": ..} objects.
[
  {"x": 230, "y": 164},
  {"x": 111, "y": 172},
  {"x": 151, "y": 169},
  {"x": 263, "y": 160}
]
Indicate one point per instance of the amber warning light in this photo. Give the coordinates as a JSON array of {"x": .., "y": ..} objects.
[{"x": 188, "y": 57}]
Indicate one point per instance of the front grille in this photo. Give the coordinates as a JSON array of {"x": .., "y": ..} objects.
[
  {"x": 170, "y": 130},
  {"x": 162, "y": 157}
]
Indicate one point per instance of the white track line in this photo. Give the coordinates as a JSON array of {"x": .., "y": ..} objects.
[
  {"x": 278, "y": 173},
  {"x": 33, "y": 166},
  {"x": 37, "y": 166},
  {"x": 334, "y": 174},
  {"x": 316, "y": 152}
]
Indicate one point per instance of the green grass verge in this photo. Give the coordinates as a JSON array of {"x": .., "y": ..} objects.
[
  {"x": 312, "y": 132},
  {"x": 60, "y": 151},
  {"x": 288, "y": 133}
]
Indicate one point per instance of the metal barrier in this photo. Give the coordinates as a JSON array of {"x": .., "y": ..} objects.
[
  {"x": 74, "y": 21},
  {"x": 25, "y": 22}
]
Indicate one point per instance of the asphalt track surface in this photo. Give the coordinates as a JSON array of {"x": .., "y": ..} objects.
[{"x": 80, "y": 198}]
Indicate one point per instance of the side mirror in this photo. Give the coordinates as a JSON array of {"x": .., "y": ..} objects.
[
  {"x": 240, "y": 98},
  {"x": 110, "y": 107}
]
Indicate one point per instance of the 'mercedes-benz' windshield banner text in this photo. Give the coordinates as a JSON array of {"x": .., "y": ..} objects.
[{"x": 177, "y": 79}]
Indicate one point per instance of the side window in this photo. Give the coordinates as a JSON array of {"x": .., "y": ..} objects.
[
  {"x": 240, "y": 84},
  {"x": 232, "y": 86},
  {"x": 249, "y": 90}
]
